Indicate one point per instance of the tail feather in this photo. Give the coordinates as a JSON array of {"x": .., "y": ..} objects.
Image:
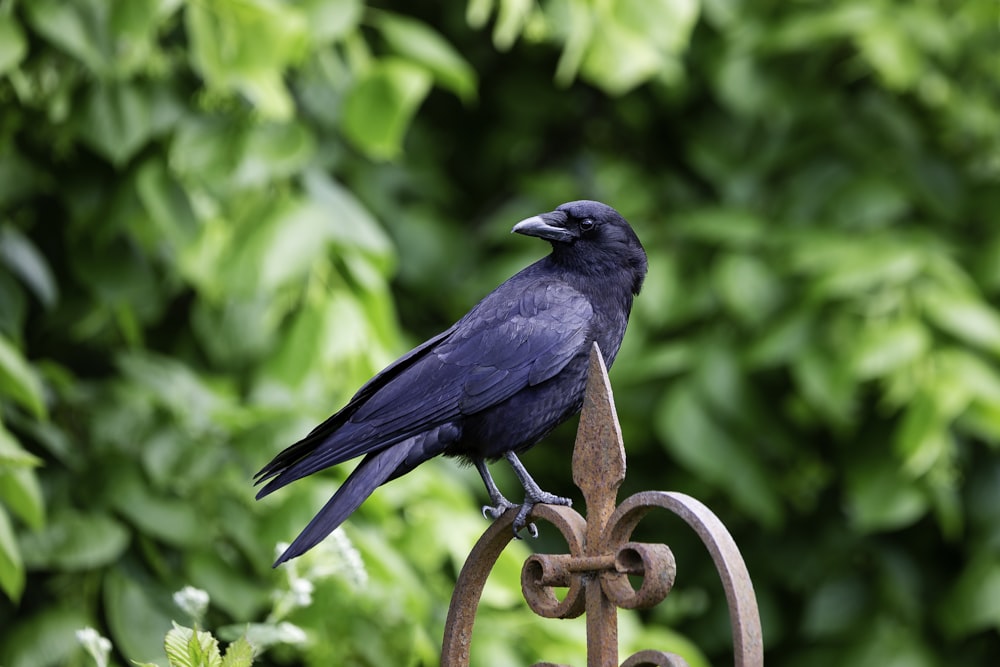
[
  {"x": 374, "y": 470},
  {"x": 285, "y": 469},
  {"x": 368, "y": 476}
]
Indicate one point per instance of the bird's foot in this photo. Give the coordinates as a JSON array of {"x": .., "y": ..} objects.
[
  {"x": 496, "y": 510},
  {"x": 541, "y": 498}
]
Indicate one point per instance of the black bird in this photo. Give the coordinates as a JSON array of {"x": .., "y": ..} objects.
[{"x": 494, "y": 384}]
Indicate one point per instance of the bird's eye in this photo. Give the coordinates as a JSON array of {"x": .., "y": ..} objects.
[{"x": 586, "y": 225}]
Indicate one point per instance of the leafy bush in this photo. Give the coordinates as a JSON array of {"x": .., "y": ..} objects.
[{"x": 205, "y": 244}]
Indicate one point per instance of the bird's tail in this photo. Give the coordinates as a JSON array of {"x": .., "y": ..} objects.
[{"x": 373, "y": 471}]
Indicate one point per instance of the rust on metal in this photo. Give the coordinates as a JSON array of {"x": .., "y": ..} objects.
[{"x": 595, "y": 573}]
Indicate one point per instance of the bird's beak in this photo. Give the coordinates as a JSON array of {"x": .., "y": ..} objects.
[{"x": 550, "y": 226}]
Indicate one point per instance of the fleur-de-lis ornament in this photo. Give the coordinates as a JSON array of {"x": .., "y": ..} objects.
[{"x": 601, "y": 556}]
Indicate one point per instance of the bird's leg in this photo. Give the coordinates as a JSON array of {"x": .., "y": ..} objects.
[
  {"x": 500, "y": 504},
  {"x": 533, "y": 495}
]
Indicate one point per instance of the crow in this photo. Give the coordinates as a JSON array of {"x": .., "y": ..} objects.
[{"x": 494, "y": 384}]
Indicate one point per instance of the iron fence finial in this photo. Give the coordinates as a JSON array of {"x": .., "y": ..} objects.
[{"x": 601, "y": 556}]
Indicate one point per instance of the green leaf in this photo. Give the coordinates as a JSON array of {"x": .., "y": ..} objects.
[
  {"x": 979, "y": 377},
  {"x": 13, "y": 45},
  {"x": 204, "y": 152},
  {"x": 20, "y": 177},
  {"x": 575, "y": 28},
  {"x": 295, "y": 356},
  {"x": 723, "y": 226},
  {"x": 826, "y": 384},
  {"x": 174, "y": 521},
  {"x": 478, "y": 12},
  {"x": 20, "y": 255},
  {"x": 885, "y": 348},
  {"x": 78, "y": 28},
  {"x": 353, "y": 225},
  {"x": 18, "y": 379},
  {"x": 11, "y": 566},
  {"x": 880, "y": 496},
  {"x": 666, "y": 23},
  {"x": 231, "y": 589},
  {"x": 20, "y": 492},
  {"x": 298, "y": 241},
  {"x": 636, "y": 40},
  {"x": 973, "y": 603},
  {"x": 167, "y": 205},
  {"x": 240, "y": 330},
  {"x": 133, "y": 28},
  {"x": 73, "y": 541},
  {"x": 664, "y": 293},
  {"x": 263, "y": 635},
  {"x": 380, "y": 105},
  {"x": 748, "y": 287},
  {"x": 273, "y": 151},
  {"x": 421, "y": 44},
  {"x": 238, "y": 654},
  {"x": 923, "y": 439},
  {"x": 886, "y": 642},
  {"x": 331, "y": 21},
  {"x": 871, "y": 201},
  {"x": 511, "y": 19},
  {"x": 226, "y": 38},
  {"x": 693, "y": 436},
  {"x": 44, "y": 638},
  {"x": 12, "y": 454},
  {"x": 117, "y": 121},
  {"x": 890, "y": 50},
  {"x": 966, "y": 318},
  {"x": 192, "y": 648},
  {"x": 619, "y": 59},
  {"x": 844, "y": 268},
  {"x": 173, "y": 385},
  {"x": 785, "y": 338},
  {"x": 972, "y": 386},
  {"x": 835, "y": 608},
  {"x": 137, "y": 616},
  {"x": 279, "y": 247}
]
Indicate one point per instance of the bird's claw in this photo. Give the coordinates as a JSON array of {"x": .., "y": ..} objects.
[
  {"x": 523, "y": 510},
  {"x": 521, "y": 520},
  {"x": 496, "y": 511}
]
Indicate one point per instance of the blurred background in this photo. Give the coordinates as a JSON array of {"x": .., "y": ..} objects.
[{"x": 219, "y": 217}]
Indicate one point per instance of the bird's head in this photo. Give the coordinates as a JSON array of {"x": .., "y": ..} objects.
[{"x": 590, "y": 235}]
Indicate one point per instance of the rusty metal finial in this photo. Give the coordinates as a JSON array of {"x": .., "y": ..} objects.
[{"x": 601, "y": 557}]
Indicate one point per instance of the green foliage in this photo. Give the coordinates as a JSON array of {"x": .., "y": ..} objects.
[
  {"x": 204, "y": 244},
  {"x": 187, "y": 647},
  {"x": 184, "y": 646}
]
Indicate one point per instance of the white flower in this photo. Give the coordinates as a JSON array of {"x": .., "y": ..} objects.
[
  {"x": 334, "y": 556},
  {"x": 192, "y": 601},
  {"x": 97, "y": 646},
  {"x": 302, "y": 590},
  {"x": 289, "y": 633}
]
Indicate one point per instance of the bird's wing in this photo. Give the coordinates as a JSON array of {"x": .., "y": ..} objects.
[
  {"x": 307, "y": 445},
  {"x": 524, "y": 346},
  {"x": 519, "y": 335},
  {"x": 511, "y": 340}
]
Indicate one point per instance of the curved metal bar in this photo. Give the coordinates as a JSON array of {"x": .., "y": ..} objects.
[
  {"x": 743, "y": 614},
  {"x": 479, "y": 564},
  {"x": 655, "y": 659},
  {"x": 653, "y": 562},
  {"x": 541, "y": 572}
]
